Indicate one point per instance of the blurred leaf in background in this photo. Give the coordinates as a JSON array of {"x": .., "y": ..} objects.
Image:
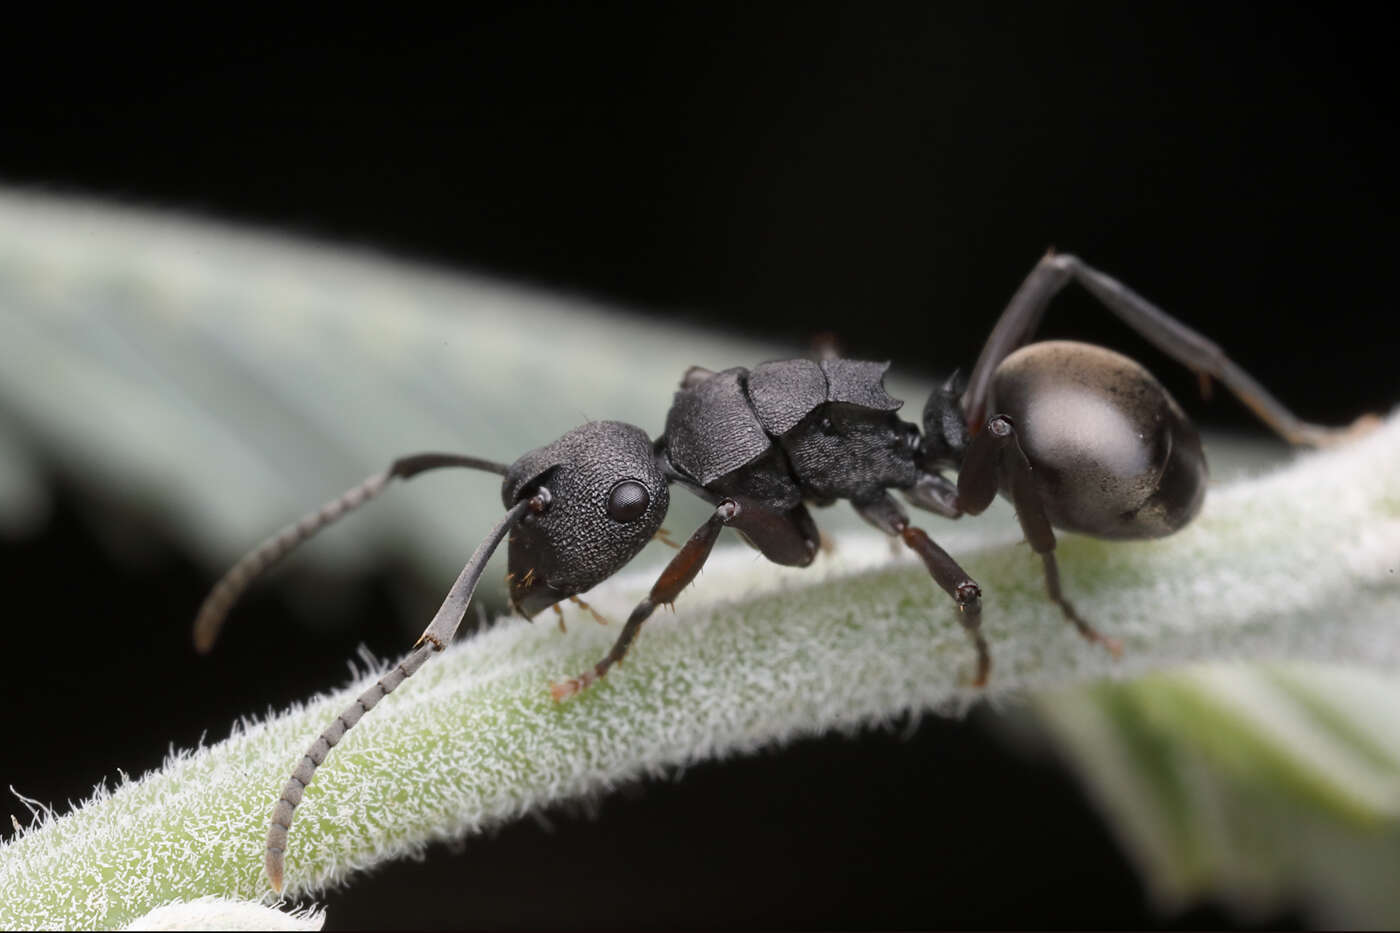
[
  {"x": 1267, "y": 783},
  {"x": 228, "y": 381}
]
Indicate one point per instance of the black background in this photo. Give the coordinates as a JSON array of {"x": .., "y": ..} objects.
[{"x": 884, "y": 172}]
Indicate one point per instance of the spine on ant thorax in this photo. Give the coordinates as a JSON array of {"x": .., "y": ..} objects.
[
  {"x": 788, "y": 431},
  {"x": 945, "y": 427}
]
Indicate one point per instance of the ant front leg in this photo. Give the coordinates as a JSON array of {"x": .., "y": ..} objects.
[
  {"x": 884, "y": 513},
  {"x": 675, "y": 578},
  {"x": 995, "y": 454},
  {"x": 1194, "y": 351}
]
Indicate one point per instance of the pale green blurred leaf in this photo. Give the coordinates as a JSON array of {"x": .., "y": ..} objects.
[{"x": 1272, "y": 786}]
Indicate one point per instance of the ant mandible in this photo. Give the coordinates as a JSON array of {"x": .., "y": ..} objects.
[{"x": 1078, "y": 437}]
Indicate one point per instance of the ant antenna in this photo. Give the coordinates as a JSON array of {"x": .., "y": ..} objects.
[
  {"x": 434, "y": 638},
  {"x": 225, "y": 593}
]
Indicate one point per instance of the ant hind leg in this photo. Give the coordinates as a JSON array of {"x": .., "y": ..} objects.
[
  {"x": 1194, "y": 351},
  {"x": 995, "y": 454}
]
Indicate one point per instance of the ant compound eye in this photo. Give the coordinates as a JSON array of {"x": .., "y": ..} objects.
[{"x": 627, "y": 501}]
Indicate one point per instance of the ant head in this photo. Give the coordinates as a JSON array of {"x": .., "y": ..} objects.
[{"x": 607, "y": 498}]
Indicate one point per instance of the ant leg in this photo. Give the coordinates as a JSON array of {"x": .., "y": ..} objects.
[
  {"x": 788, "y": 538},
  {"x": 676, "y": 577},
  {"x": 995, "y": 454},
  {"x": 934, "y": 492},
  {"x": 597, "y": 616},
  {"x": 1052, "y": 587},
  {"x": 1194, "y": 351},
  {"x": 884, "y": 513},
  {"x": 226, "y": 592}
]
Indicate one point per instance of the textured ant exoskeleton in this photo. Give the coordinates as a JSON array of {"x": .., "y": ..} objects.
[{"x": 1078, "y": 438}]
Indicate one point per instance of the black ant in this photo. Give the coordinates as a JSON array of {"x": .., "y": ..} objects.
[{"x": 1078, "y": 437}]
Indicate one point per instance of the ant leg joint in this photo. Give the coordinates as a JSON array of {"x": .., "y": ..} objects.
[
  {"x": 431, "y": 639},
  {"x": 967, "y": 594},
  {"x": 1000, "y": 426}
]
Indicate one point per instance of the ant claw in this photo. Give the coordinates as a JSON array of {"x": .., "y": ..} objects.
[
  {"x": 563, "y": 689},
  {"x": 977, "y": 681},
  {"x": 1361, "y": 426}
]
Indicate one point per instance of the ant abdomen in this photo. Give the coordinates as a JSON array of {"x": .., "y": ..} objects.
[{"x": 1112, "y": 453}]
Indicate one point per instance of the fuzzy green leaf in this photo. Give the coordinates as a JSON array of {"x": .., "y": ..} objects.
[{"x": 754, "y": 655}]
